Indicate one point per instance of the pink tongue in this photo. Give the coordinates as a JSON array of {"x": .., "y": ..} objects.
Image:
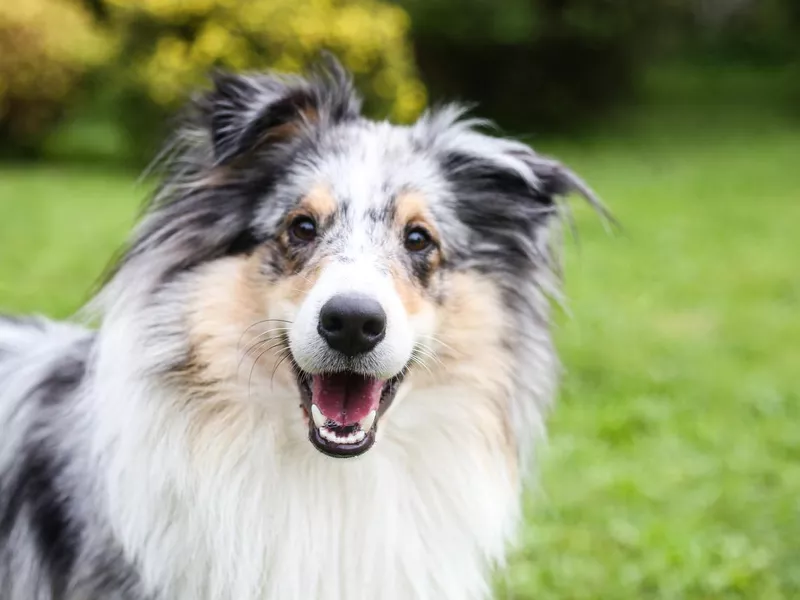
[{"x": 346, "y": 397}]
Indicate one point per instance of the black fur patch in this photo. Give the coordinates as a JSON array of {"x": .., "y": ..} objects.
[
  {"x": 244, "y": 243},
  {"x": 34, "y": 492},
  {"x": 422, "y": 268},
  {"x": 501, "y": 210},
  {"x": 56, "y": 537}
]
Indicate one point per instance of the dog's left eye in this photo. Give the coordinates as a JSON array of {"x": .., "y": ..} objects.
[
  {"x": 417, "y": 239},
  {"x": 303, "y": 230}
]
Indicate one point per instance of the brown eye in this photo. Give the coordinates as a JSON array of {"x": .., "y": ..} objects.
[
  {"x": 417, "y": 240},
  {"x": 303, "y": 230}
]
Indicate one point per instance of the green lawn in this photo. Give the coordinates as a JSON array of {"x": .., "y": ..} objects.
[{"x": 673, "y": 465}]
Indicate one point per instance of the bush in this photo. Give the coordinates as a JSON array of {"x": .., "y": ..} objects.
[
  {"x": 154, "y": 51},
  {"x": 169, "y": 46},
  {"x": 46, "y": 46}
]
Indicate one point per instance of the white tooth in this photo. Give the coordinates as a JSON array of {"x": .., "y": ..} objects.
[
  {"x": 319, "y": 418},
  {"x": 368, "y": 421}
]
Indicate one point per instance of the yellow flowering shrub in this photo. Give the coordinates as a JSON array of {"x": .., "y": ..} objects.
[
  {"x": 186, "y": 38},
  {"x": 45, "y": 47}
]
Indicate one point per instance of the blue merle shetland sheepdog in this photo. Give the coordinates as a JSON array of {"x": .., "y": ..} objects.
[{"x": 320, "y": 367}]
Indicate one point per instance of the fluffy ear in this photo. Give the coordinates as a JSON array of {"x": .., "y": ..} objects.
[
  {"x": 494, "y": 171},
  {"x": 245, "y": 112},
  {"x": 552, "y": 179}
]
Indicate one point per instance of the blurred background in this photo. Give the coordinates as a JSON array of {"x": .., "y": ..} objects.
[{"x": 673, "y": 464}]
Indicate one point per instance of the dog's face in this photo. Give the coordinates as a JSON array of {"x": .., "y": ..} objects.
[
  {"x": 355, "y": 231},
  {"x": 359, "y": 254}
]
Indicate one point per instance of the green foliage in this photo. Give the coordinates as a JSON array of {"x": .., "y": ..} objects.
[
  {"x": 164, "y": 48},
  {"x": 169, "y": 46},
  {"x": 191, "y": 36},
  {"x": 45, "y": 48},
  {"x": 531, "y": 65}
]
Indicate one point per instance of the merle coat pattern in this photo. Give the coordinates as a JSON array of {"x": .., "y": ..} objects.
[{"x": 165, "y": 455}]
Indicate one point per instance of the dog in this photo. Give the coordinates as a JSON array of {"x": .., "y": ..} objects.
[{"x": 318, "y": 369}]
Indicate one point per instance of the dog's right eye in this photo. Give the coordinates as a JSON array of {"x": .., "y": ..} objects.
[
  {"x": 417, "y": 240},
  {"x": 302, "y": 230}
]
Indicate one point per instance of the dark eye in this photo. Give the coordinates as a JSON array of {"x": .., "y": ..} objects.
[
  {"x": 417, "y": 239},
  {"x": 303, "y": 230}
]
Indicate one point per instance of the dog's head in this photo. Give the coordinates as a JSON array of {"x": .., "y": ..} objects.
[{"x": 343, "y": 257}]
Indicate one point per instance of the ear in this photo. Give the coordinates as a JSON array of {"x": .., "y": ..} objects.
[
  {"x": 495, "y": 171},
  {"x": 246, "y": 112},
  {"x": 554, "y": 180}
]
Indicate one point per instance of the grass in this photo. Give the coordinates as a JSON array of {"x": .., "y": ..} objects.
[
  {"x": 59, "y": 227},
  {"x": 673, "y": 465}
]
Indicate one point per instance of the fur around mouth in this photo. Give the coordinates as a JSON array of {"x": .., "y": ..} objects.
[{"x": 343, "y": 409}]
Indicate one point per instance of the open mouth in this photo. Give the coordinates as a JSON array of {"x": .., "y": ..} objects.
[{"x": 343, "y": 409}]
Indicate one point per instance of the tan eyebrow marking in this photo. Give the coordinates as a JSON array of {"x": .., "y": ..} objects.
[
  {"x": 411, "y": 208},
  {"x": 319, "y": 202}
]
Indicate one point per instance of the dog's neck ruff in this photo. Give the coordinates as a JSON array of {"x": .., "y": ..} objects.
[{"x": 215, "y": 500}]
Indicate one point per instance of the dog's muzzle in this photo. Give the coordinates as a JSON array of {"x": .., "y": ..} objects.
[{"x": 343, "y": 404}]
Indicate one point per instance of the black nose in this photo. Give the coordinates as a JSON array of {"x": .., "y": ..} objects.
[{"x": 352, "y": 324}]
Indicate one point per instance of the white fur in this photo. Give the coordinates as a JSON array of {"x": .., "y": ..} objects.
[
  {"x": 363, "y": 276},
  {"x": 255, "y": 512}
]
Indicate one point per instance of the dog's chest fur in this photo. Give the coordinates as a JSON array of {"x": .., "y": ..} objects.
[{"x": 231, "y": 509}]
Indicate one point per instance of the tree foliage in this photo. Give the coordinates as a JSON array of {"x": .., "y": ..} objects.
[
  {"x": 147, "y": 54},
  {"x": 46, "y": 46},
  {"x": 531, "y": 65},
  {"x": 173, "y": 43}
]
